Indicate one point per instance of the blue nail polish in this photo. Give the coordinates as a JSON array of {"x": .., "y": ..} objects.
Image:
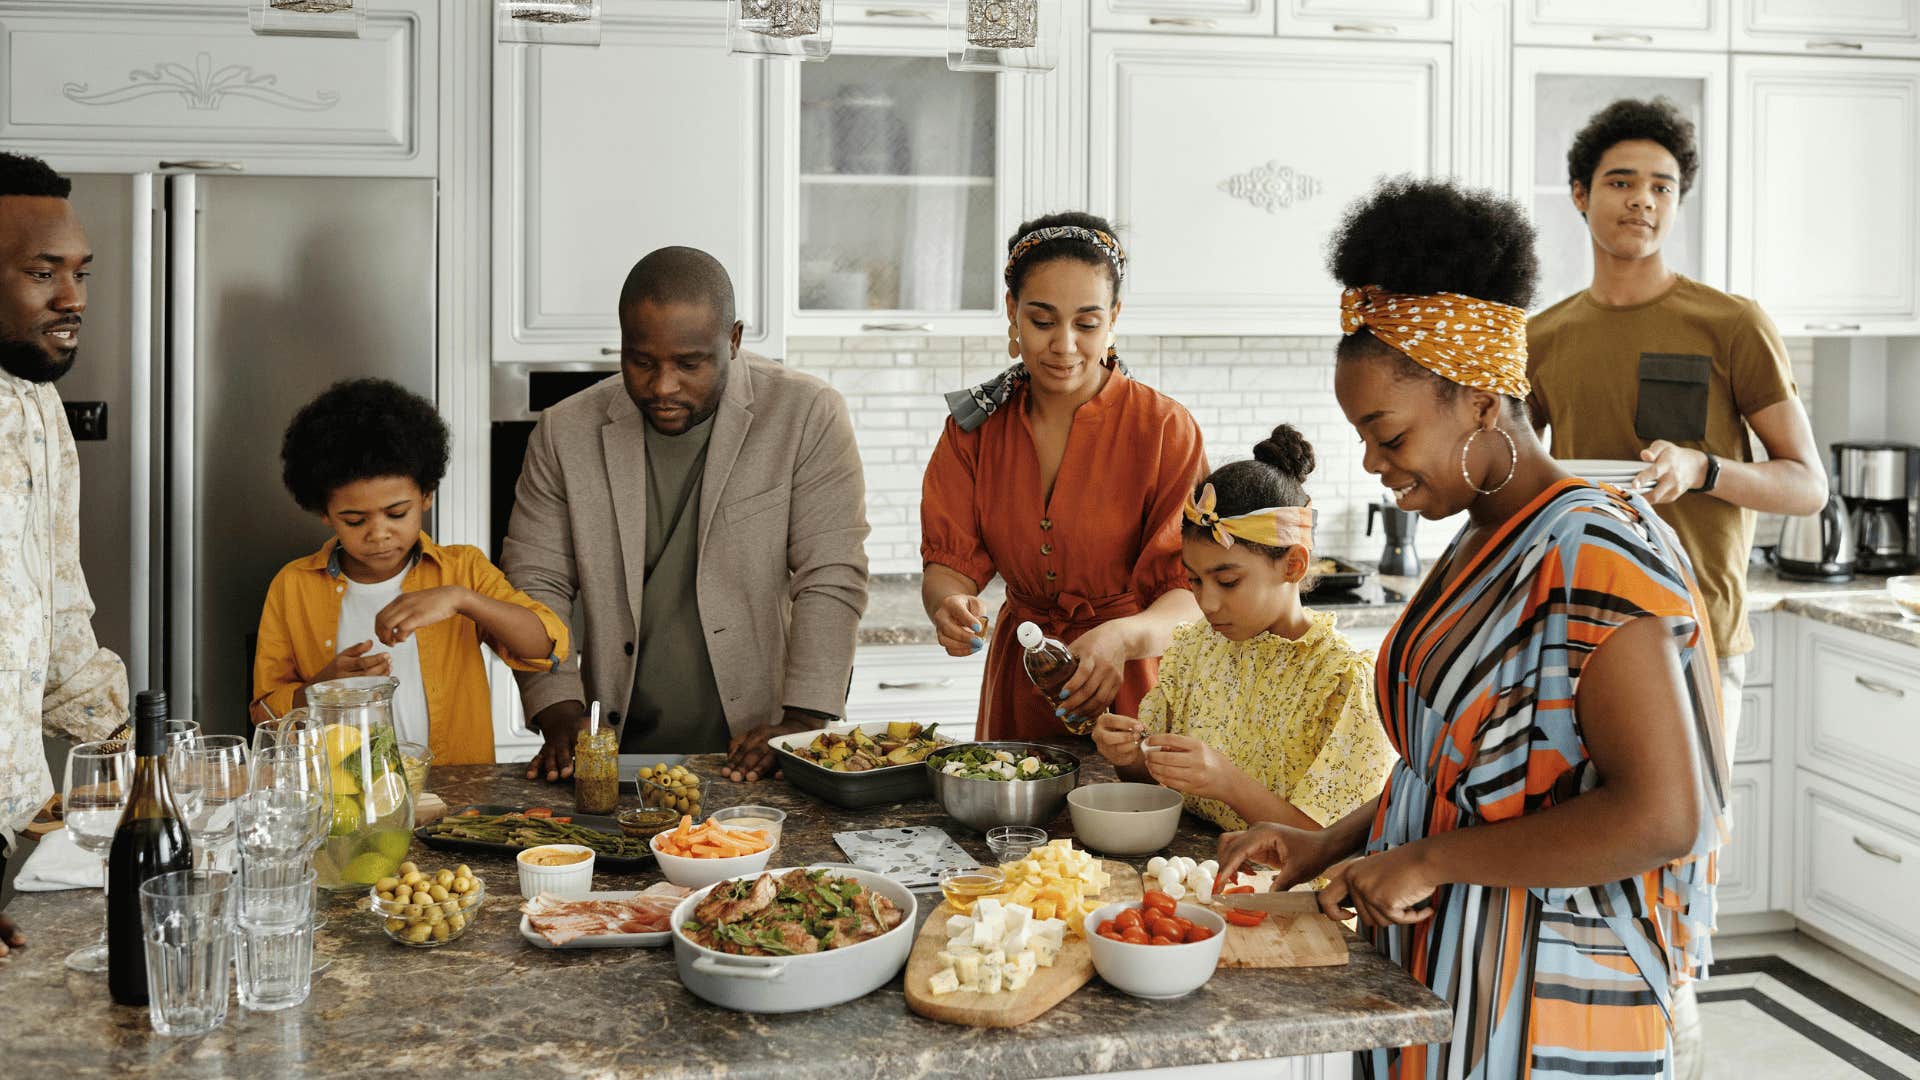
[
  {"x": 1060, "y": 712},
  {"x": 976, "y": 645},
  {"x": 1063, "y": 695},
  {"x": 980, "y": 627}
]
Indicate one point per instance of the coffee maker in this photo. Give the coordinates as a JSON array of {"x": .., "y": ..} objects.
[
  {"x": 1880, "y": 484},
  {"x": 1398, "y": 559}
]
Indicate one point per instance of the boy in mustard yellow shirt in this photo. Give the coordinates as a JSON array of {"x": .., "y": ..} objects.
[{"x": 380, "y": 597}]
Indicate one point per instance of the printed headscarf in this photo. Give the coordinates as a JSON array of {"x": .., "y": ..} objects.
[
  {"x": 1273, "y": 527},
  {"x": 1475, "y": 343}
]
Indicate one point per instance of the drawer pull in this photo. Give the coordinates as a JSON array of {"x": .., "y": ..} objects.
[
  {"x": 1833, "y": 326},
  {"x": 1364, "y": 28},
  {"x": 1878, "y": 853},
  {"x": 897, "y": 327},
  {"x": 203, "y": 165},
  {"x": 609, "y": 350},
  {"x": 1629, "y": 37},
  {"x": 1181, "y": 20},
  {"x": 898, "y": 13},
  {"x": 1836, "y": 46},
  {"x": 1879, "y": 687},
  {"x": 916, "y": 684}
]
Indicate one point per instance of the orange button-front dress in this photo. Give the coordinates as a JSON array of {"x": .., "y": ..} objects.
[{"x": 1105, "y": 546}]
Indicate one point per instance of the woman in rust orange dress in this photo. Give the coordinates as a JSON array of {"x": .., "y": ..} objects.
[{"x": 1065, "y": 477}]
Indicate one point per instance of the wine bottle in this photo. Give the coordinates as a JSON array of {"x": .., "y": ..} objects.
[
  {"x": 151, "y": 840},
  {"x": 1049, "y": 664}
]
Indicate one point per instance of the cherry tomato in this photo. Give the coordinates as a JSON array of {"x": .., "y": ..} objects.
[
  {"x": 1185, "y": 924},
  {"x": 1135, "y": 936},
  {"x": 1106, "y": 926},
  {"x": 1196, "y": 933},
  {"x": 1109, "y": 932},
  {"x": 1159, "y": 940},
  {"x": 1129, "y": 918},
  {"x": 1244, "y": 918},
  {"x": 1166, "y": 928},
  {"x": 1159, "y": 901}
]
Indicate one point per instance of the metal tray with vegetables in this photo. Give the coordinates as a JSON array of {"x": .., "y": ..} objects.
[
  {"x": 866, "y": 764},
  {"x": 489, "y": 829}
]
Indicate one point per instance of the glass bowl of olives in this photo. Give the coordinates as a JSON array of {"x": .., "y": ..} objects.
[
  {"x": 673, "y": 787},
  {"x": 423, "y": 909}
]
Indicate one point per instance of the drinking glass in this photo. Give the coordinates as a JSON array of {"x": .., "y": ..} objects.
[
  {"x": 300, "y": 767},
  {"x": 275, "y": 825},
  {"x": 273, "y": 951},
  {"x": 181, "y": 733},
  {"x": 95, "y": 795},
  {"x": 296, "y": 728},
  {"x": 187, "y": 917},
  {"x": 206, "y": 778}
]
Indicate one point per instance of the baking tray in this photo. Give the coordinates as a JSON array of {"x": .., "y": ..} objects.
[
  {"x": 595, "y": 822},
  {"x": 852, "y": 790},
  {"x": 1345, "y": 576}
]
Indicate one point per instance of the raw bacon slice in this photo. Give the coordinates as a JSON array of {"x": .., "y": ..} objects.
[{"x": 560, "y": 920}]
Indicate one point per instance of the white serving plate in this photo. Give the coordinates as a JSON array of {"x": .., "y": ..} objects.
[{"x": 599, "y": 941}]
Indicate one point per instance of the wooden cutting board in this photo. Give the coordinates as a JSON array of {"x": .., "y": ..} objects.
[
  {"x": 1071, "y": 970},
  {"x": 1299, "y": 937}
]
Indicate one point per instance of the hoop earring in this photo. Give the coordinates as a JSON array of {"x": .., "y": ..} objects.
[
  {"x": 1013, "y": 342},
  {"x": 1513, "y": 461}
]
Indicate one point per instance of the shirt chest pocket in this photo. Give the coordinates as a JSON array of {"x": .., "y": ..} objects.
[{"x": 1673, "y": 394}]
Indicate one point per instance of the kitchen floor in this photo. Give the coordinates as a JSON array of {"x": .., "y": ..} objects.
[{"x": 1784, "y": 1005}]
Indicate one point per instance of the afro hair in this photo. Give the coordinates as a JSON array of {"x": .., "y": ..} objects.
[
  {"x": 1429, "y": 236},
  {"x": 1063, "y": 248},
  {"x": 23, "y": 175},
  {"x": 1658, "y": 121},
  {"x": 360, "y": 429}
]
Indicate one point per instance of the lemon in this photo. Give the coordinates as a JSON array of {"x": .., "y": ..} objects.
[
  {"x": 391, "y": 843},
  {"x": 385, "y": 795},
  {"x": 343, "y": 783},
  {"x": 346, "y": 816},
  {"x": 341, "y": 741},
  {"x": 369, "y": 867}
]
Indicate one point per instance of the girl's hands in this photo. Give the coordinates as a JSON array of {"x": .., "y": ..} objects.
[
  {"x": 1118, "y": 739},
  {"x": 1190, "y": 766}
]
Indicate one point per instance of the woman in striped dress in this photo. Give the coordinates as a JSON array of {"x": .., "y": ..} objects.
[{"x": 1543, "y": 854}]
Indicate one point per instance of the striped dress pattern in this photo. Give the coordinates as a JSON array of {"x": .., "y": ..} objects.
[{"x": 1477, "y": 683}]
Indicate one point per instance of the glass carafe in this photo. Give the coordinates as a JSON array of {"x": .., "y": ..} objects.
[{"x": 372, "y": 804}]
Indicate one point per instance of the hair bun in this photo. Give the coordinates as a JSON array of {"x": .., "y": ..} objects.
[{"x": 1286, "y": 450}]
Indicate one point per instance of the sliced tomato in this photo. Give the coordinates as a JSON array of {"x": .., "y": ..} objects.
[
  {"x": 1244, "y": 918},
  {"x": 1159, "y": 901},
  {"x": 1196, "y": 933},
  {"x": 1236, "y": 889},
  {"x": 1158, "y": 939},
  {"x": 1135, "y": 936}
]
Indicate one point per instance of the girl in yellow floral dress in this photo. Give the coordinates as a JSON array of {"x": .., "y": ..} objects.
[{"x": 1264, "y": 712}]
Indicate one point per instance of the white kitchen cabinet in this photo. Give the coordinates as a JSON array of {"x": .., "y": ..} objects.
[
  {"x": 1397, "y": 20},
  {"x": 1630, "y": 24},
  {"x": 1744, "y": 862},
  {"x": 128, "y": 85},
  {"x": 907, "y": 13},
  {"x": 1857, "y": 870},
  {"x": 1253, "y": 18},
  {"x": 1555, "y": 93},
  {"x": 901, "y": 194},
  {"x": 601, "y": 155},
  {"x": 1857, "y": 710},
  {"x": 1765, "y": 626},
  {"x": 917, "y": 682},
  {"x": 1227, "y": 162},
  {"x": 1824, "y": 222},
  {"x": 1753, "y": 742},
  {"x": 1854, "y": 28}
]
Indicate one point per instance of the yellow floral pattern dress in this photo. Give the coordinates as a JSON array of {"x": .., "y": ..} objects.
[{"x": 1298, "y": 716}]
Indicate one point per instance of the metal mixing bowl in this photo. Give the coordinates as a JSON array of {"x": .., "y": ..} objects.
[{"x": 982, "y": 804}]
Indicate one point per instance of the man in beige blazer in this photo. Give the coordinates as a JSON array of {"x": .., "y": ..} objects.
[{"x": 708, "y": 510}]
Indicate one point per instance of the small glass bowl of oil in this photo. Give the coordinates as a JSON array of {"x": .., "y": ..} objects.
[{"x": 962, "y": 885}]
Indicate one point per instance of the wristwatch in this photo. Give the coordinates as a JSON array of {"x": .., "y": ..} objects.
[{"x": 1713, "y": 476}]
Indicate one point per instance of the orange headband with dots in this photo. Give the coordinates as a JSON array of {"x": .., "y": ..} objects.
[{"x": 1475, "y": 343}]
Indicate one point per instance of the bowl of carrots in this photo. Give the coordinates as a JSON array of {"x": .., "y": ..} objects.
[{"x": 695, "y": 856}]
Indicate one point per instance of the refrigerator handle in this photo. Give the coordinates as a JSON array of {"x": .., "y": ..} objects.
[
  {"x": 140, "y": 436},
  {"x": 181, "y": 429}
]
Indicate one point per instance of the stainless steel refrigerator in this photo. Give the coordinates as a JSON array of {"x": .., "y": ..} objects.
[{"x": 219, "y": 305}]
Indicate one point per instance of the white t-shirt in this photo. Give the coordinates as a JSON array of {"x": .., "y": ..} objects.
[{"x": 357, "y": 610}]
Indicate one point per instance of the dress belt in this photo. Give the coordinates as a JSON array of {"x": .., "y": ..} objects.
[{"x": 1069, "y": 611}]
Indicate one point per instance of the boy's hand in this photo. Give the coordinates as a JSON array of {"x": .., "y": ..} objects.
[
  {"x": 398, "y": 620},
  {"x": 353, "y": 660}
]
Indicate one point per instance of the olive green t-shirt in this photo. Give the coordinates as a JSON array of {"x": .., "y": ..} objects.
[
  {"x": 1688, "y": 366},
  {"x": 676, "y": 706}
]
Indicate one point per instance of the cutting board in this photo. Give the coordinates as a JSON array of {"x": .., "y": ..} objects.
[
  {"x": 1298, "y": 937},
  {"x": 1071, "y": 970}
]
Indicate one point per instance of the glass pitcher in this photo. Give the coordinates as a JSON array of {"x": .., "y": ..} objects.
[{"x": 372, "y": 803}]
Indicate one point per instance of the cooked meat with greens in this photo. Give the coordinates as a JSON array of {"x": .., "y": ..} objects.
[{"x": 804, "y": 911}]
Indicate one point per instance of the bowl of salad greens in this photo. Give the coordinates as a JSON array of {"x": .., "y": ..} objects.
[{"x": 985, "y": 784}]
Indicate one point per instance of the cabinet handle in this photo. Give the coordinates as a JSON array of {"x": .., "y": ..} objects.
[
  {"x": 203, "y": 165},
  {"x": 898, "y": 13},
  {"x": 1364, "y": 28},
  {"x": 916, "y": 684},
  {"x": 1878, "y": 853},
  {"x": 1879, "y": 687},
  {"x": 608, "y": 350},
  {"x": 1630, "y": 37},
  {"x": 1181, "y": 20},
  {"x": 1833, "y": 326},
  {"x": 897, "y": 327},
  {"x": 1836, "y": 46}
]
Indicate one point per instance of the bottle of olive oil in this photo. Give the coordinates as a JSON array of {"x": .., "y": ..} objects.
[
  {"x": 151, "y": 840},
  {"x": 1049, "y": 664}
]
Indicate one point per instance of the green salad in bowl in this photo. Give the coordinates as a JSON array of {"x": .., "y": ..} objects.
[{"x": 986, "y": 763}]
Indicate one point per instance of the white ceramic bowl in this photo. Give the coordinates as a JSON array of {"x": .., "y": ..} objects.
[
  {"x": 1157, "y": 971},
  {"x": 700, "y": 873},
  {"x": 1905, "y": 591},
  {"x": 1123, "y": 818},
  {"x": 572, "y": 880},
  {"x": 732, "y": 817}
]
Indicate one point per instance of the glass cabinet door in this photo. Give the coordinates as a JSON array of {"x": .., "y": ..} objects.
[
  {"x": 1557, "y": 92},
  {"x": 898, "y": 192}
]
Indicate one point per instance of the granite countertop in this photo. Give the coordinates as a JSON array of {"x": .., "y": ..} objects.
[
  {"x": 1861, "y": 604},
  {"x": 490, "y": 1004}
]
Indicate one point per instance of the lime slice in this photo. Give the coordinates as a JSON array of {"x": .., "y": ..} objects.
[
  {"x": 390, "y": 842},
  {"x": 346, "y": 816},
  {"x": 385, "y": 796}
]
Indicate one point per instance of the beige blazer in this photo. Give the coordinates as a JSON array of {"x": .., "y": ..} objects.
[{"x": 783, "y": 524}]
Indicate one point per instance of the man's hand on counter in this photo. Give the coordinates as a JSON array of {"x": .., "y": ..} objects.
[
  {"x": 560, "y": 724},
  {"x": 750, "y": 759}
]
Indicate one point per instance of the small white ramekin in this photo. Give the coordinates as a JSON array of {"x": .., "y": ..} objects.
[{"x": 572, "y": 880}]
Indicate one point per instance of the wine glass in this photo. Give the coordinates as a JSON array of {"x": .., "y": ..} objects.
[
  {"x": 95, "y": 795},
  {"x": 181, "y": 734},
  {"x": 206, "y": 778}
]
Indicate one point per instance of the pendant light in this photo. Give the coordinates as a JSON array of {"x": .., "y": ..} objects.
[
  {"x": 793, "y": 29},
  {"x": 547, "y": 22},
  {"x": 308, "y": 18},
  {"x": 1020, "y": 36}
]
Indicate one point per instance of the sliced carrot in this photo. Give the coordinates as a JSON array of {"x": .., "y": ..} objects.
[{"x": 540, "y": 811}]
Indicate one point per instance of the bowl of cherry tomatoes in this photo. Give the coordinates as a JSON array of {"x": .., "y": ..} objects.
[{"x": 1155, "y": 947}]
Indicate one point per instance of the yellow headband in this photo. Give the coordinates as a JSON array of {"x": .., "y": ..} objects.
[
  {"x": 1274, "y": 527},
  {"x": 1475, "y": 343}
]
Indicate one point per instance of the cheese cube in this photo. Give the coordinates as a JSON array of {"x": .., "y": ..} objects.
[
  {"x": 1049, "y": 930},
  {"x": 959, "y": 929},
  {"x": 967, "y": 970},
  {"x": 1024, "y": 966},
  {"x": 992, "y": 978},
  {"x": 945, "y": 959},
  {"x": 1044, "y": 952},
  {"x": 1013, "y": 942},
  {"x": 1013, "y": 919},
  {"x": 943, "y": 982},
  {"x": 989, "y": 921},
  {"x": 994, "y": 958},
  {"x": 1017, "y": 979}
]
